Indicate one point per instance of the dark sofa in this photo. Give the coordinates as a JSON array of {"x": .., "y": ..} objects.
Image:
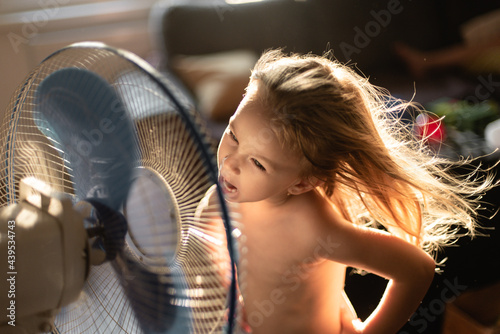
[{"x": 358, "y": 31}]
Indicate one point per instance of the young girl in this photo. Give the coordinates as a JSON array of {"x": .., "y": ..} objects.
[{"x": 317, "y": 162}]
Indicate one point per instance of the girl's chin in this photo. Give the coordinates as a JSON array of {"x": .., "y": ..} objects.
[{"x": 231, "y": 197}]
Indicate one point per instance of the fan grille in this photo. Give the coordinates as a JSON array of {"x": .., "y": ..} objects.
[{"x": 175, "y": 270}]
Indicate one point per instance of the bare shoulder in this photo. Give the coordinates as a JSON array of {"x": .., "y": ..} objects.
[
  {"x": 371, "y": 249},
  {"x": 320, "y": 214},
  {"x": 354, "y": 242},
  {"x": 316, "y": 219},
  {"x": 207, "y": 203}
]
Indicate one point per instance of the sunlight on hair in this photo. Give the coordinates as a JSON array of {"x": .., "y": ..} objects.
[{"x": 383, "y": 172}]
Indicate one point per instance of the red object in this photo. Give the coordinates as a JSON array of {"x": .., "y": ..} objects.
[{"x": 430, "y": 128}]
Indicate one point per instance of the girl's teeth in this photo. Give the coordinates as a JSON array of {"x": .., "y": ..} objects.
[{"x": 229, "y": 187}]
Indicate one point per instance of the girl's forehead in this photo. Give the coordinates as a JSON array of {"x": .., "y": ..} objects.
[
  {"x": 251, "y": 105},
  {"x": 252, "y": 127},
  {"x": 255, "y": 90}
]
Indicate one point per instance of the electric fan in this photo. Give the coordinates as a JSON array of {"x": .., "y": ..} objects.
[{"x": 106, "y": 224}]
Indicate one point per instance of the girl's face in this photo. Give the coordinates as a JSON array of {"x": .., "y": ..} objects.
[{"x": 252, "y": 164}]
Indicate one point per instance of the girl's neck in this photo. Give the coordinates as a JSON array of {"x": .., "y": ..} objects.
[{"x": 280, "y": 202}]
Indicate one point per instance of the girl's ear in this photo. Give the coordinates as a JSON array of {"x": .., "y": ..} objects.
[{"x": 304, "y": 185}]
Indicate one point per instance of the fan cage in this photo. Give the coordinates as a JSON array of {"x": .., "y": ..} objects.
[{"x": 197, "y": 278}]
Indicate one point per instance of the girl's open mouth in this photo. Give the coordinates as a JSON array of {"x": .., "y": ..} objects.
[{"x": 227, "y": 188}]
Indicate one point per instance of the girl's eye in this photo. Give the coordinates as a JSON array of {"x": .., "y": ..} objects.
[
  {"x": 258, "y": 165},
  {"x": 233, "y": 137}
]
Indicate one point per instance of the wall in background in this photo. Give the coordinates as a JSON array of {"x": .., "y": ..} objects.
[{"x": 30, "y": 30}]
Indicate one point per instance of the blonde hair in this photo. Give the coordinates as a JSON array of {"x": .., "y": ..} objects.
[{"x": 372, "y": 167}]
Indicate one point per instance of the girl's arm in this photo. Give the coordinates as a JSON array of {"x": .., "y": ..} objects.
[
  {"x": 348, "y": 315},
  {"x": 409, "y": 269}
]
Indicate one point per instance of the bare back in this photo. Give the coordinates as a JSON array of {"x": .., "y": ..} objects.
[{"x": 288, "y": 285}]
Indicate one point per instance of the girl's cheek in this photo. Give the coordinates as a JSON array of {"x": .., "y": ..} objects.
[{"x": 221, "y": 147}]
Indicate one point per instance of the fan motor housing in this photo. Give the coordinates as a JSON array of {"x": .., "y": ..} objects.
[{"x": 43, "y": 244}]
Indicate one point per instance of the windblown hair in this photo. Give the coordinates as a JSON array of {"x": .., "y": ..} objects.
[{"x": 372, "y": 167}]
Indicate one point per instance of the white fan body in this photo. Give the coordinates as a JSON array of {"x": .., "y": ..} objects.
[{"x": 43, "y": 244}]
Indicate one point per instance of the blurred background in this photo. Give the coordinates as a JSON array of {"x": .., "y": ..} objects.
[
  {"x": 212, "y": 44},
  {"x": 31, "y": 30}
]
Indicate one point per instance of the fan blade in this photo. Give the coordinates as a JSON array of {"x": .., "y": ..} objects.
[{"x": 88, "y": 123}]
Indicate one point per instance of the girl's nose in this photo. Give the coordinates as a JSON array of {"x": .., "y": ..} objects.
[{"x": 231, "y": 163}]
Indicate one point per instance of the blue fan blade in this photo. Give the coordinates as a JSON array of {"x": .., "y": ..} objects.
[{"x": 87, "y": 121}]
